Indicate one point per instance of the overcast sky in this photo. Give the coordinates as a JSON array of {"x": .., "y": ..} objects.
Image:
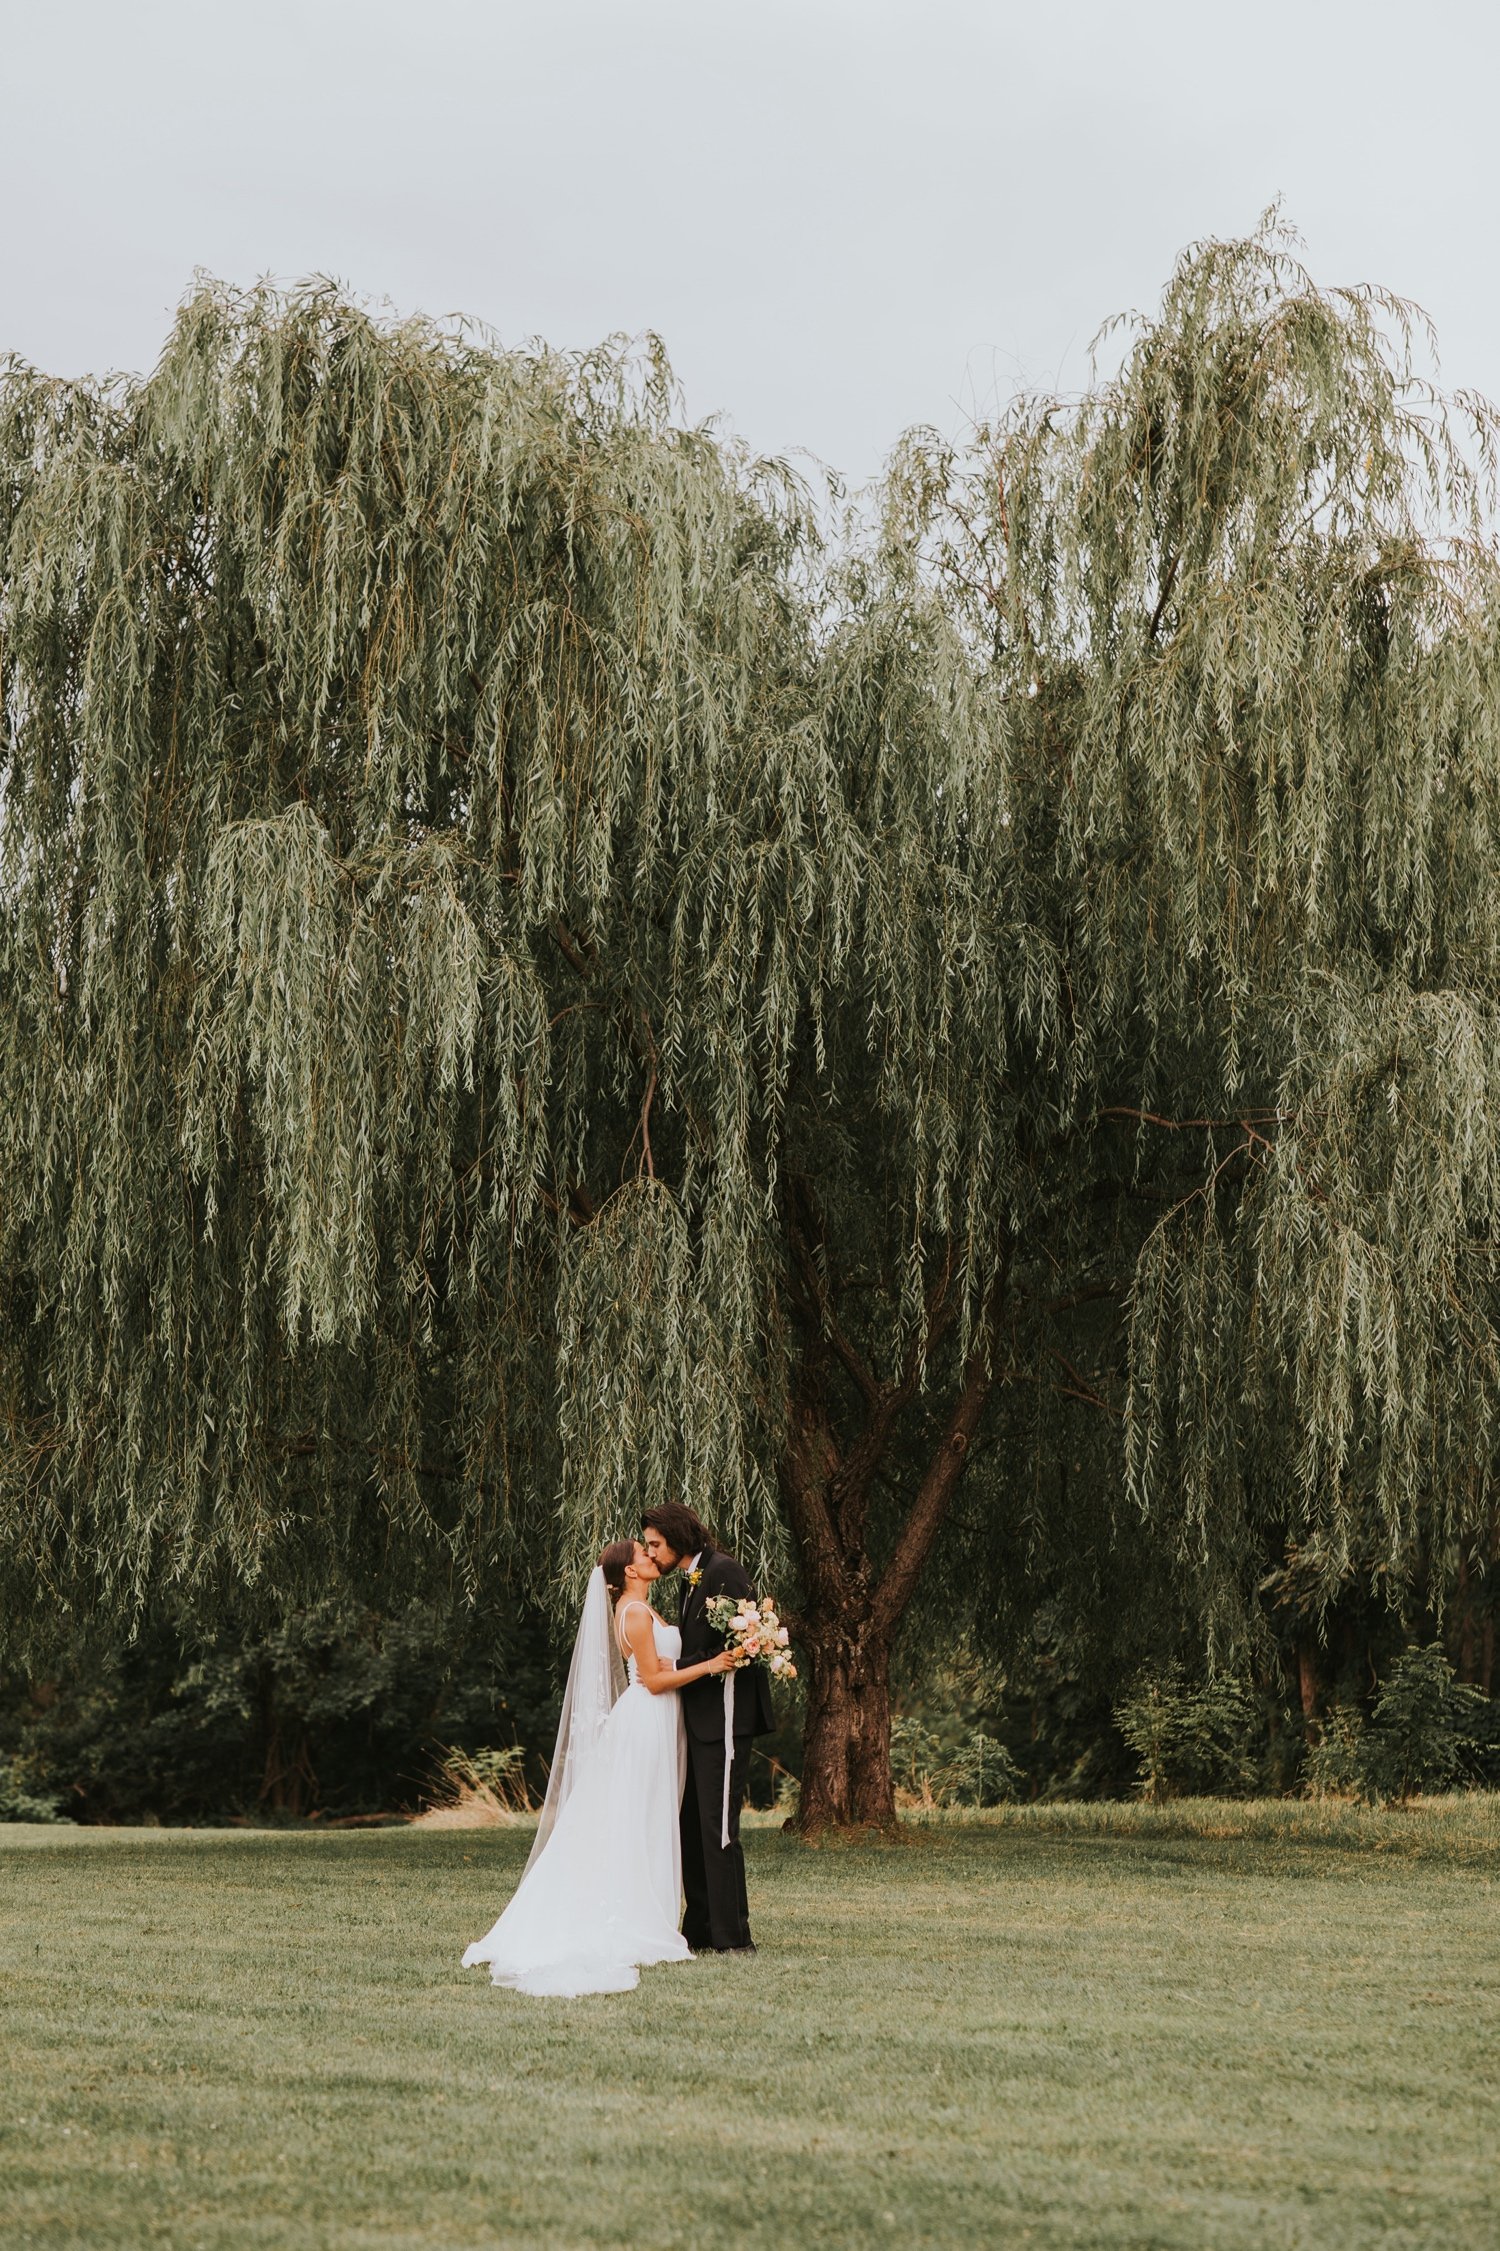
[{"x": 842, "y": 215}]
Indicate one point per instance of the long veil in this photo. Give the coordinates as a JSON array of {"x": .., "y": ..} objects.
[{"x": 596, "y": 1679}]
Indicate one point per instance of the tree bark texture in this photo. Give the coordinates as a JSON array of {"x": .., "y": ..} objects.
[
  {"x": 850, "y": 1616},
  {"x": 1309, "y": 1687},
  {"x": 846, "y": 1759}
]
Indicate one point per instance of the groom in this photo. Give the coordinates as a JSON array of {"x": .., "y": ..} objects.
[{"x": 713, "y": 1873}]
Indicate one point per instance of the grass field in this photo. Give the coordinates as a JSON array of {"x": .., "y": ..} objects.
[{"x": 1204, "y": 2027}]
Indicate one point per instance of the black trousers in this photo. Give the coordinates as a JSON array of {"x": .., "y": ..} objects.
[{"x": 713, "y": 1874}]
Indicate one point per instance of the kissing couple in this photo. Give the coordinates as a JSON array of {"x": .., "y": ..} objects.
[{"x": 637, "y": 1815}]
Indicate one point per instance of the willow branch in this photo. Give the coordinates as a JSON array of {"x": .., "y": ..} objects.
[
  {"x": 818, "y": 1311},
  {"x": 899, "y": 1580},
  {"x": 646, "y": 1157},
  {"x": 1184, "y": 1125},
  {"x": 1166, "y": 595},
  {"x": 1081, "y": 1388}
]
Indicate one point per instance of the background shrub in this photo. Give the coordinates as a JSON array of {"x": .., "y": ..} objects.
[
  {"x": 333, "y": 1709},
  {"x": 1190, "y": 1742}
]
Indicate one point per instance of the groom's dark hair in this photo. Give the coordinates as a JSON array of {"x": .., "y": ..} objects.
[{"x": 684, "y": 1533}]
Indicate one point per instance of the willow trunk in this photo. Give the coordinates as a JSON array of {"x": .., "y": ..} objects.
[
  {"x": 846, "y": 1753},
  {"x": 851, "y": 1613}
]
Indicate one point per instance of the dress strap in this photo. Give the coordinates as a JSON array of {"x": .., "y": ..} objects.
[{"x": 634, "y": 1603}]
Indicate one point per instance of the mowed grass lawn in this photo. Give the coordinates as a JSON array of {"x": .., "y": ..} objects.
[{"x": 1210, "y": 2026}]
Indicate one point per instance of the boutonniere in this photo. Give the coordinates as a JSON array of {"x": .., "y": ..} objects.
[{"x": 693, "y": 1577}]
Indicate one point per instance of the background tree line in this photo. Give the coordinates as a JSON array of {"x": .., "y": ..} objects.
[{"x": 542, "y": 970}]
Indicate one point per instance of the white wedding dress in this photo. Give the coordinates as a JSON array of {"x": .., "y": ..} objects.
[{"x": 601, "y": 1895}]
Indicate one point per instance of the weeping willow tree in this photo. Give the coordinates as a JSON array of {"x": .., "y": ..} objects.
[
  {"x": 460, "y": 852},
  {"x": 367, "y": 692},
  {"x": 531, "y": 986},
  {"x": 1238, "y": 611}
]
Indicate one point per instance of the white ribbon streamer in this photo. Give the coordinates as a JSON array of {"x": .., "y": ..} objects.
[{"x": 728, "y": 1753}]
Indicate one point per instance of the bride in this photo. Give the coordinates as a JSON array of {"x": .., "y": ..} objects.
[{"x": 601, "y": 1894}]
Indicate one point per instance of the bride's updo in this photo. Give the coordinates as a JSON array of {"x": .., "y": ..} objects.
[{"x": 614, "y": 1563}]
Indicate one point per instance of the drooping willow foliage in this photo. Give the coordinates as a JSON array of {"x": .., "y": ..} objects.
[
  {"x": 1239, "y": 606},
  {"x": 427, "y": 853},
  {"x": 532, "y": 982}
]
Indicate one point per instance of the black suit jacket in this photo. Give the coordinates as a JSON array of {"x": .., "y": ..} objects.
[{"x": 703, "y": 1700}]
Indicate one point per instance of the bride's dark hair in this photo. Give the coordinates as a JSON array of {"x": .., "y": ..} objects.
[{"x": 614, "y": 1563}]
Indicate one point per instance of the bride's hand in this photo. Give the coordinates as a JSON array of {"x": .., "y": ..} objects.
[{"x": 725, "y": 1662}]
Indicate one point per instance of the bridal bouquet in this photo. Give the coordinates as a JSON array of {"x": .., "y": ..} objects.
[{"x": 754, "y": 1633}]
